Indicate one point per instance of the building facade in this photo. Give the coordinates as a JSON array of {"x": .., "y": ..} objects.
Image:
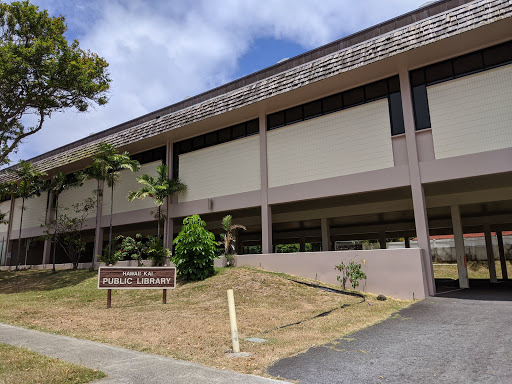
[{"x": 400, "y": 130}]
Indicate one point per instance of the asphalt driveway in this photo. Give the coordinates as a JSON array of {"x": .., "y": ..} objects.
[{"x": 459, "y": 336}]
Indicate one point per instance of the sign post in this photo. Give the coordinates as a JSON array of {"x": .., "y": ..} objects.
[{"x": 136, "y": 278}]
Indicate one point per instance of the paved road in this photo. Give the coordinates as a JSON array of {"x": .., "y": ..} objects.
[
  {"x": 121, "y": 365},
  {"x": 456, "y": 337}
]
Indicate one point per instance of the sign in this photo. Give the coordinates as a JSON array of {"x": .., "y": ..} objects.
[
  {"x": 347, "y": 246},
  {"x": 136, "y": 278}
]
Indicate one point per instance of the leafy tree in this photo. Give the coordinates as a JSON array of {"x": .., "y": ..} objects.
[
  {"x": 158, "y": 189},
  {"x": 28, "y": 184},
  {"x": 195, "y": 250},
  {"x": 228, "y": 239},
  {"x": 109, "y": 163},
  {"x": 40, "y": 73},
  {"x": 129, "y": 247},
  {"x": 55, "y": 186},
  {"x": 67, "y": 227}
]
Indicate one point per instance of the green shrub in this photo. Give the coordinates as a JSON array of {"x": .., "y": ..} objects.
[
  {"x": 109, "y": 257},
  {"x": 131, "y": 248},
  {"x": 195, "y": 250},
  {"x": 156, "y": 251}
]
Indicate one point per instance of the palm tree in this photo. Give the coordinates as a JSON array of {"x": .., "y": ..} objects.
[
  {"x": 55, "y": 186},
  {"x": 158, "y": 189},
  {"x": 228, "y": 239},
  {"x": 29, "y": 183},
  {"x": 109, "y": 163}
]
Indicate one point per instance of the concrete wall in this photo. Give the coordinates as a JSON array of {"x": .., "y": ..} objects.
[
  {"x": 78, "y": 195},
  {"x": 221, "y": 170},
  {"x": 397, "y": 273},
  {"x": 351, "y": 141},
  {"x": 472, "y": 114},
  {"x": 5, "y": 207},
  {"x": 128, "y": 182},
  {"x": 34, "y": 214}
]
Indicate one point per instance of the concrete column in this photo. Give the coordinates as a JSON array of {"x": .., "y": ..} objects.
[
  {"x": 326, "y": 235},
  {"x": 418, "y": 195},
  {"x": 50, "y": 212},
  {"x": 407, "y": 242},
  {"x": 490, "y": 253},
  {"x": 501, "y": 249},
  {"x": 382, "y": 240},
  {"x": 266, "y": 211},
  {"x": 98, "y": 236},
  {"x": 302, "y": 242},
  {"x": 458, "y": 235},
  {"x": 238, "y": 242}
]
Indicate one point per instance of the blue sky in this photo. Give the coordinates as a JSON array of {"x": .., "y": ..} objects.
[{"x": 162, "y": 51}]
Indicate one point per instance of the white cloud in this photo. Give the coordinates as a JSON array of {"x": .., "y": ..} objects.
[{"x": 163, "y": 51}]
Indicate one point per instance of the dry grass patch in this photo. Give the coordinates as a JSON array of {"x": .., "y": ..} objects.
[
  {"x": 476, "y": 270},
  {"x": 194, "y": 325},
  {"x": 22, "y": 366}
]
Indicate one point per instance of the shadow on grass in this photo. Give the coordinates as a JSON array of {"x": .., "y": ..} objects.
[{"x": 37, "y": 280}]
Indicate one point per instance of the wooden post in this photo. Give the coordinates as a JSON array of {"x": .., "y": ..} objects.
[
  {"x": 501, "y": 249},
  {"x": 232, "y": 321},
  {"x": 164, "y": 296},
  {"x": 109, "y": 298}
]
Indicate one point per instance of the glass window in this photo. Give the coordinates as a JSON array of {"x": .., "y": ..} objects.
[
  {"x": 253, "y": 127},
  {"x": 293, "y": 115},
  {"x": 417, "y": 77},
  {"x": 397, "y": 116},
  {"x": 211, "y": 139},
  {"x": 498, "y": 55},
  {"x": 438, "y": 72},
  {"x": 276, "y": 120},
  {"x": 224, "y": 135},
  {"x": 468, "y": 64},
  {"x": 394, "y": 84},
  {"x": 353, "y": 97},
  {"x": 421, "y": 111},
  {"x": 312, "y": 109},
  {"x": 332, "y": 103},
  {"x": 376, "y": 90},
  {"x": 239, "y": 131}
]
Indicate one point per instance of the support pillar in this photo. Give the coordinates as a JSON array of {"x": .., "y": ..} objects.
[
  {"x": 490, "y": 253},
  {"x": 326, "y": 235},
  {"x": 458, "y": 235},
  {"x": 266, "y": 211},
  {"x": 501, "y": 249},
  {"x": 8, "y": 244},
  {"x": 302, "y": 242},
  {"x": 382, "y": 240},
  {"x": 98, "y": 236},
  {"x": 418, "y": 195},
  {"x": 407, "y": 242}
]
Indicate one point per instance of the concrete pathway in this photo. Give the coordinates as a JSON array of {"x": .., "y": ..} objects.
[
  {"x": 121, "y": 365},
  {"x": 460, "y": 336}
]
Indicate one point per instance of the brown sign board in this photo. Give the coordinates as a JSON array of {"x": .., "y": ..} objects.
[{"x": 137, "y": 277}]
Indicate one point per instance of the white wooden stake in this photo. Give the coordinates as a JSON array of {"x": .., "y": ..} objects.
[{"x": 232, "y": 321}]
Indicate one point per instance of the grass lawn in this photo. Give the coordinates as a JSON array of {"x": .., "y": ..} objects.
[
  {"x": 476, "y": 270},
  {"x": 194, "y": 324},
  {"x": 22, "y": 366}
]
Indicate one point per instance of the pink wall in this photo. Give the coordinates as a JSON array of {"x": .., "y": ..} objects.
[{"x": 392, "y": 272}]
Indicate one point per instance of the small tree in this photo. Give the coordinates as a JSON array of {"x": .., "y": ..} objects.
[
  {"x": 109, "y": 163},
  {"x": 228, "y": 239},
  {"x": 158, "y": 189},
  {"x": 68, "y": 228},
  {"x": 129, "y": 247},
  {"x": 195, "y": 250},
  {"x": 55, "y": 186},
  {"x": 351, "y": 272}
]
